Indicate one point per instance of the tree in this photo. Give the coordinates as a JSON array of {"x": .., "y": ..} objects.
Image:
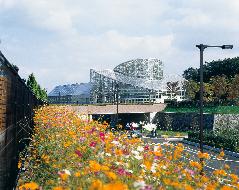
[
  {"x": 192, "y": 89},
  {"x": 32, "y": 83},
  {"x": 228, "y": 67},
  {"x": 233, "y": 89},
  {"x": 40, "y": 94},
  {"x": 207, "y": 93},
  {"x": 219, "y": 87},
  {"x": 191, "y": 74},
  {"x": 173, "y": 88}
]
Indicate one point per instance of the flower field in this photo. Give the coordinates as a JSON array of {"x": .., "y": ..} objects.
[{"x": 67, "y": 152}]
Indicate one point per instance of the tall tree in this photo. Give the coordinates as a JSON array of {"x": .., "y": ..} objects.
[
  {"x": 233, "y": 89},
  {"x": 36, "y": 88},
  {"x": 219, "y": 87},
  {"x": 192, "y": 89},
  {"x": 191, "y": 74},
  {"x": 32, "y": 83}
]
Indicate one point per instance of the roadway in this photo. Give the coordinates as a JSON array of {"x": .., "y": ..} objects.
[{"x": 210, "y": 165}]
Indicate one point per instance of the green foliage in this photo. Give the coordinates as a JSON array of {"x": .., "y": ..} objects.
[
  {"x": 221, "y": 79},
  {"x": 192, "y": 89},
  {"x": 227, "y": 140},
  {"x": 40, "y": 93},
  {"x": 209, "y": 109},
  {"x": 228, "y": 67}
]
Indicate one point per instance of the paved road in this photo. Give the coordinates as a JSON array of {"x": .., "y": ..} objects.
[{"x": 211, "y": 165}]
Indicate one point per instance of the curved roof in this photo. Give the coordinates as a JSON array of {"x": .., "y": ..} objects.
[
  {"x": 139, "y": 82},
  {"x": 71, "y": 89},
  {"x": 141, "y": 68},
  {"x": 145, "y": 73}
]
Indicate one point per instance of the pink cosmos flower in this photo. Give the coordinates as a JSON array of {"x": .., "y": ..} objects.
[
  {"x": 93, "y": 144},
  {"x": 102, "y": 136},
  {"x": 78, "y": 153},
  {"x": 121, "y": 171}
]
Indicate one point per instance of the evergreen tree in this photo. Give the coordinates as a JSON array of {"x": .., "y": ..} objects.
[
  {"x": 36, "y": 88},
  {"x": 32, "y": 83}
]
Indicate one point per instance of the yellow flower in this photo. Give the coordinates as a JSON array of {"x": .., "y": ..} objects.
[
  {"x": 219, "y": 172},
  {"x": 203, "y": 155},
  {"x": 111, "y": 175},
  {"x": 115, "y": 186},
  {"x": 29, "y": 186},
  {"x": 221, "y": 155},
  {"x": 64, "y": 176},
  {"x": 19, "y": 165},
  {"x": 57, "y": 188},
  {"x": 105, "y": 168},
  {"x": 94, "y": 166},
  {"x": 96, "y": 185},
  {"x": 225, "y": 187},
  {"x": 195, "y": 165},
  {"x": 77, "y": 174},
  {"x": 234, "y": 177},
  {"x": 148, "y": 164},
  {"x": 227, "y": 167},
  {"x": 188, "y": 187}
]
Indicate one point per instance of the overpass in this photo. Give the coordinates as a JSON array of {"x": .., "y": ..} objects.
[
  {"x": 123, "y": 108},
  {"x": 126, "y": 113}
]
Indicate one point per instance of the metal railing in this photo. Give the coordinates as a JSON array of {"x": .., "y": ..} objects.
[{"x": 16, "y": 120}]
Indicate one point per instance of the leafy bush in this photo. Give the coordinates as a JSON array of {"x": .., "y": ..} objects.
[{"x": 227, "y": 141}]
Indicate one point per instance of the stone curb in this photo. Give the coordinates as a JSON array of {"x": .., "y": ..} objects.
[
  {"x": 218, "y": 150},
  {"x": 163, "y": 138}
]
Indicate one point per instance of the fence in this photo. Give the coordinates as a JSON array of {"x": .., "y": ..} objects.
[{"x": 16, "y": 113}]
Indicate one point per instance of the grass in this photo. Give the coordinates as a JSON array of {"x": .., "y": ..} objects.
[
  {"x": 172, "y": 133},
  {"x": 213, "y": 110}
]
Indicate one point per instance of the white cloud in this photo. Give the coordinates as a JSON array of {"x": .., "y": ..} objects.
[{"x": 68, "y": 37}]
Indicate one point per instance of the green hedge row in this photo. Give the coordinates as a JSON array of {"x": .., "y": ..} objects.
[{"x": 226, "y": 142}]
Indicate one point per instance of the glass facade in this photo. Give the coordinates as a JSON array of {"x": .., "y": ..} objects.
[
  {"x": 70, "y": 94},
  {"x": 139, "y": 81}
]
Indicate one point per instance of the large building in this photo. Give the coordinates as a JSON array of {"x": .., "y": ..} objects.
[
  {"x": 136, "y": 81},
  {"x": 70, "y": 94}
]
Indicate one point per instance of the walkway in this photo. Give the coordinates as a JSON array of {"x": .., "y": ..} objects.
[{"x": 111, "y": 109}]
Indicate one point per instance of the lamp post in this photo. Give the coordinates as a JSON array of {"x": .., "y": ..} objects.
[
  {"x": 202, "y": 47},
  {"x": 117, "y": 103}
]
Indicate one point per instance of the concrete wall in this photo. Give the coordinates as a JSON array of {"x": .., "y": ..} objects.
[
  {"x": 190, "y": 121},
  {"x": 182, "y": 121}
]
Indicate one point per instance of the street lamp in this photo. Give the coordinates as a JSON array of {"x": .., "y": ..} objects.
[
  {"x": 117, "y": 103},
  {"x": 202, "y": 47}
]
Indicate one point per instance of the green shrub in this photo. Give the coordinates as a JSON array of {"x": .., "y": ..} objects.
[{"x": 227, "y": 141}]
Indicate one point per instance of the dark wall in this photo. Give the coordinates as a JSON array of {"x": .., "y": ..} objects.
[
  {"x": 182, "y": 121},
  {"x": 124, "y": 118}
]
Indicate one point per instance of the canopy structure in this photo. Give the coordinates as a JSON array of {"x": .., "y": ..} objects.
[{"x": 139, "y": 81}]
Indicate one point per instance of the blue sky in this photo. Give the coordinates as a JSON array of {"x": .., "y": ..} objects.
[{"x": 61, "y": 40}]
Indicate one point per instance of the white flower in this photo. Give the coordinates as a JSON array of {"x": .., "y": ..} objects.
[
  {"x": 66, "y": 172},
  {"x": 139, "y": 184},
  {"x": 150, "y": 127},
  {"x": 107, "y": 154},
  {"x": 130, "y": 171},
  {"x": 115, "y": 142},
  {"x": 138, "y": 157},
  {"x": 135, "y": 152},
  {"x": 135, "y": 125},
  {"x": 142, "y": 166},
  {"x": 83, "y": 117},
  {"x": 140, "y": 148},
  {"x": 126, "y": 156},
  {"x": 156, "y": 148},
  {"x": 153, "y": 168}
]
